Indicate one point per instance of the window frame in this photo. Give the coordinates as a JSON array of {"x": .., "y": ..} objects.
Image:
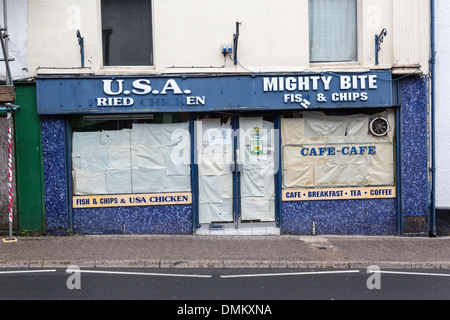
[
  {"x": 344, "y": 114},
  {"x": 119, "y": 69},
  {"x": 358, "y": 44},
  {"x": 108, "y": 123}
]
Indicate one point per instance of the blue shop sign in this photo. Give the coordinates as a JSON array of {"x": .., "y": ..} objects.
[{"x": 195, "y": 93}]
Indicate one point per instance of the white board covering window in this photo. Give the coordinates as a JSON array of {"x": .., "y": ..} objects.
[
  {"x": 333, "y": 30},
  {"x": 148, "y": 158},
  {"x": 321, "y": 151}
]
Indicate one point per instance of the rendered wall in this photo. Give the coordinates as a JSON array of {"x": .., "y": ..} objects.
[
  {"x": 18, "y": 36},
  {"x": 188, "y": 36},
  {"x": 442, "y": 107}
]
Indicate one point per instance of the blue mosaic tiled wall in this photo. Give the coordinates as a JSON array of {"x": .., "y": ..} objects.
[
  {"x": 175, "y": 219},
  {"x": 373, "y": 216},
  {"x": 361, "y": 217},
  {"x": 55, "y": 187},
  {"x": 414, "y": 92}
]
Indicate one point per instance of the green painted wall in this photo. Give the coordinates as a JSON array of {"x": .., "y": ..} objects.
[{"x": 30, "y": 203}]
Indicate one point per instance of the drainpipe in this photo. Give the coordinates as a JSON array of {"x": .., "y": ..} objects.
[
  {"x": 433, "y": 120},
  {"x": 399, "y": 182}
]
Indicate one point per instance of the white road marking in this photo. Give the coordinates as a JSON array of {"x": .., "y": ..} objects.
[
  {"x": 140, "y": 273},
  {"x": 412, "y": 273},
  {"x": 26, "y": 271},
  {"x": 287, "y": 274},
  {"x": 229, "y": 276}
]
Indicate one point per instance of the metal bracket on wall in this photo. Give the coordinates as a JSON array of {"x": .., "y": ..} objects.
[
  {"x": 235, "y": 42},
  {"x": 379, "y": 38},
  {"x": 81, "y": 44}
]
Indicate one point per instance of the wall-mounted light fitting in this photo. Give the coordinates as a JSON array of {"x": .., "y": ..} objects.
[
  {"x": 379, "y": 38},
  {"x": 81, "y": 44}
]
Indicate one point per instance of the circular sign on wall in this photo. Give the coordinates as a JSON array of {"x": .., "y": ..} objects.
[{"x": 256, "y": 133}]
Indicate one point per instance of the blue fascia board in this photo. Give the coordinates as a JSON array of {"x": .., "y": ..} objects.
[{"x": 209, "y": 93}]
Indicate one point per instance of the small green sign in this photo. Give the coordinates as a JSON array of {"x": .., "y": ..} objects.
[{"x": 256, "y": 146}]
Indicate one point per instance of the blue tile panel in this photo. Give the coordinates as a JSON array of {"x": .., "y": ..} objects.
[
  {"x": 176, "y": 219},
  {"x": 55, "y": 186},
  {"x": 414, "y": 146},
  {"x": 376, "y": 216},
  {"x": 341, "y": 217}
]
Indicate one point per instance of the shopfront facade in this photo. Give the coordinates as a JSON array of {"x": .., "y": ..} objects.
[{"x": 254, "y": 154}]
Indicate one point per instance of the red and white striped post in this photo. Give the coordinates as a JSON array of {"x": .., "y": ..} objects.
[
  {"x": 10, "y": 176},
  {"x": 10, "y": 173}
]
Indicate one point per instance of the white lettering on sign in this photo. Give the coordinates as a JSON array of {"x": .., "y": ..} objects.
[
  {"x": 142, "y": 87},
  {"x": 349, "y": 96},
  {"x": 348, "y": 88},
  {"x": 107, "y": 102},
  {"x": 296, "y": 98},
  {"x": 107, "y": 87},
  {"x": 361, "y": 82},
  {"x": 296, "y": 83},
  {"x": 171, "y": 85},
  {"x": 299, "y": 90},
  {"x": 195, "y": 101}
]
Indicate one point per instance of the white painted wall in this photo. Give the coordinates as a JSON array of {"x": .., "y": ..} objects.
[
  {"x": 18, "y": 33},
  {"x": 273, "y": 36},
  {"x": 442, "y": 104}
]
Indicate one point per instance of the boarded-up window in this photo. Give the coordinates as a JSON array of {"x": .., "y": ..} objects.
[
  {"x": 322, "y": 150},
  {"x": 146, "y": 158}
]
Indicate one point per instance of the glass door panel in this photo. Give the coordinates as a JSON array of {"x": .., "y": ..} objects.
[
  {"x": 215, "y": 154},
  {"x": 236, "y": 172},
  {"x": 256, "y": 153}
]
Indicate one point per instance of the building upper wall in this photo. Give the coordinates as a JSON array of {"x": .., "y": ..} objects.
[
  {"x": 17, "y": 30},
  {"x": 442, "y": 110},
  {"x": 187, "y": 37}
]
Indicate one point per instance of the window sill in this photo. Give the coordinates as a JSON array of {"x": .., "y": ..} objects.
[
  {"x": 127, "y": 70},
  {"x": 353, "y": 66},
  {"x": 63, "y": 70}
]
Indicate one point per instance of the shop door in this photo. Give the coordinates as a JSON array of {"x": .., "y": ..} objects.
[{"x": 236, "y": 171}]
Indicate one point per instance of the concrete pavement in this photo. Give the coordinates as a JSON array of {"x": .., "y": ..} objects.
[{"x": 191, "y": 251}]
